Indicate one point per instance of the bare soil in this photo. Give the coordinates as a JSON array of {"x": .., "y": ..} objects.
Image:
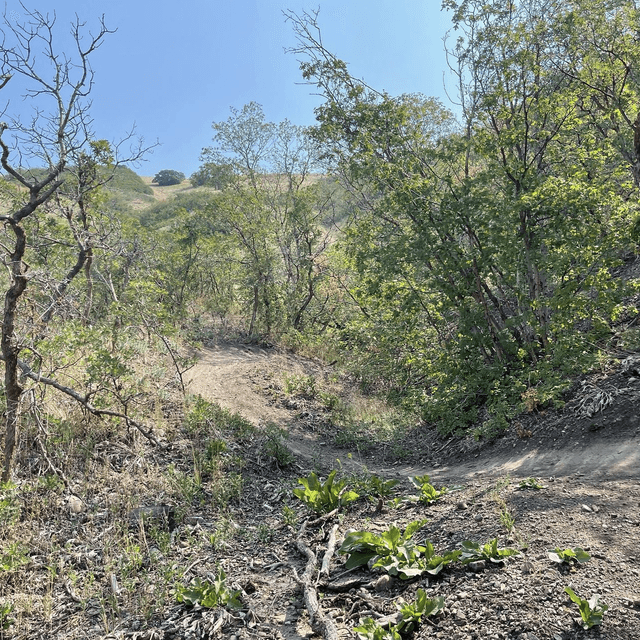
[{"x": 580, "y": 439}]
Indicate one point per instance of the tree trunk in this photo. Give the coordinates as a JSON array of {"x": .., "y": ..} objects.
[{"x": 10, "y": 348}]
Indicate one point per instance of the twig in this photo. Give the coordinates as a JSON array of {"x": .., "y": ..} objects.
[{"x": 193, "y": 564}]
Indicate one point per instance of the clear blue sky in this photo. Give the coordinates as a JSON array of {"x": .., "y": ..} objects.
[{"x": 173, "y": 68}]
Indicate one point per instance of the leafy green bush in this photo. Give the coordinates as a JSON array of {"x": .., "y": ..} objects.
[
  {"x": 167, "y": 177},
  {"x": 211, "y": 174},
  {"x": 124, "y": 179},
  {"x": 165, "y": 213},
  {"x": 324, "y": 497}
]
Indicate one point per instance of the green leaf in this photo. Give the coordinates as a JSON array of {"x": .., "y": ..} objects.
[
  {"x": 358, "y": 559},
  {"x": 579, "y": 555},
  {"x": 591, "y": 611}
]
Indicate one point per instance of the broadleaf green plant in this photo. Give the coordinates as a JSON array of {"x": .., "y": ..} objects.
[
  {"x": 395, "y": 552},
  {"x": 472, "y": 551},
  {"x": 209, "y": 594},
  {"x": 530, "y": 483},
  {"x": 324, "y": 497},
  {"x": 412, "y": 613},
  {"x": 577, "y": 554},
  {"x": 363, "y": 546},
  {"x": 5, "y": 620},
  {"x": 591, "y": 611},
  {"x": 369, "y": 629},
  {"x": 428, "y": 493}
]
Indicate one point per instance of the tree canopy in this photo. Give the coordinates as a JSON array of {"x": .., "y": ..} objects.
[
  {"x": 167, "y": 177},
  {"x": 481, "y": 255}
]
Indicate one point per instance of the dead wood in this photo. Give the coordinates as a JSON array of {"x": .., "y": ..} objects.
[{"x": 320, "y": 622}]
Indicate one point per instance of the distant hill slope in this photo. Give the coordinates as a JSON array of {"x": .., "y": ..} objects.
[{"x": 127, "y": 180}]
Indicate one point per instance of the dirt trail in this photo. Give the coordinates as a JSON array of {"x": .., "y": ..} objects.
[{"x": 239, "y": 378}]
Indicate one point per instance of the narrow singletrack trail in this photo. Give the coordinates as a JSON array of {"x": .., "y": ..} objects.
[{"x": 239, "y": 377}]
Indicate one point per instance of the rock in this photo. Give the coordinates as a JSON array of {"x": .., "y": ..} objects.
[
  {"x": 478, "y": 517},
  {"x": 75, "y": 504},
  {"x": 633, "y": 600},
  {"x": 383, "y": 583},
  {"x": 586, "y": 507},
  {"x": 477, "y": 566},
  {"x": 527, "y": 567},
  {"x": 461, "y": 506},
  {"x": 460, "y": 618}
]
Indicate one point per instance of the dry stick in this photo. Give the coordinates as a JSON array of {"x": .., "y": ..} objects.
[
  {"x": 26, "y": 369},
  {"x": 43, "y": 448},
  {"x": 320, "y": 622},
  {"x": 54, "y": 469},
  {"x": 331, "y": 547}
]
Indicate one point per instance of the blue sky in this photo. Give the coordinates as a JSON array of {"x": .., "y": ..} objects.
[{"x": 173, "y": 68}]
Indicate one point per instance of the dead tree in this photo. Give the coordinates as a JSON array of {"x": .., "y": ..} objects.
[{"x": 57, "y": 136}]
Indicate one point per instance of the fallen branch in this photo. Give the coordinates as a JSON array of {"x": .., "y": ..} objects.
[
  {"x": 331, "y": 547},
  {"x": 320, "y": 622}
]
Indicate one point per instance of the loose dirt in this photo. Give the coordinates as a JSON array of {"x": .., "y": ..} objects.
[{"x": 603, "y": 445}]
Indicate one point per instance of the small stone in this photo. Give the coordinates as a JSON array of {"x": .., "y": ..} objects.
[
  {"x": 75, "y": 504},
  {"x": 477, "y": 566},
  {"x": 478, "y": 517},
  {"x": 586, "y": 507},
  {"x": 527, "y": 567},
  {"x": 383, "y": 583},
  {"x": 595, "y": 508},
  {"x": 461, "y": 506},
  {"x": 461, "y": 618}
]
